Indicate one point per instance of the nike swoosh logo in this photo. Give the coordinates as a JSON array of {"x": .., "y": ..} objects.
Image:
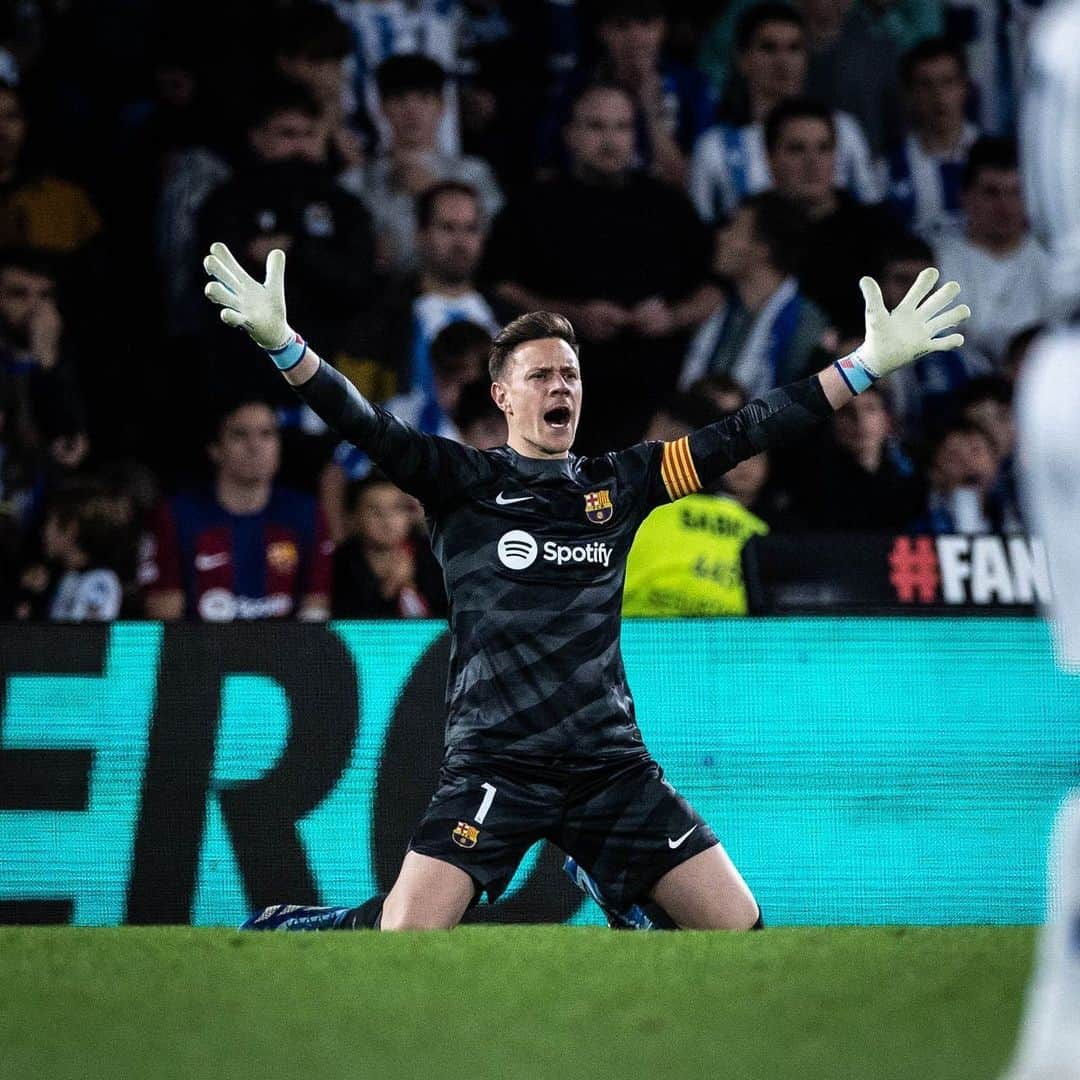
[
  {"x": 673, "y": 844},
  {"x": 212, "y": 562},
  {"x": 502, "y": 500}
]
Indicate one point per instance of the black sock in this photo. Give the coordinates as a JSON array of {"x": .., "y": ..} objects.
[
  {"x": 660, "y": 918},
  {"x": 367, "y": 916}
]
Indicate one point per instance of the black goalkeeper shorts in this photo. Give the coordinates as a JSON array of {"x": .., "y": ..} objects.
[{"x": 621, "y": 820}]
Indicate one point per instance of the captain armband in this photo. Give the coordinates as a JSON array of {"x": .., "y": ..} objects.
[{"x": 677, "y": 469}]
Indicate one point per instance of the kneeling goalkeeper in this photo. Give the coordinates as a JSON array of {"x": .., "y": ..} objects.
[{"x": 541, "y": 736}]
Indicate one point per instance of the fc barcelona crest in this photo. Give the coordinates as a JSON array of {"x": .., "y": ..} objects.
[
  {"x": 598, "y": 508},
  {"x": 465, "y": 835}
]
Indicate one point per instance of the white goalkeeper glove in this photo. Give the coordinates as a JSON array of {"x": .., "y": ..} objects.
[
  {"x": 896, "y": 338},
  {"x": 259, "y": 309}
]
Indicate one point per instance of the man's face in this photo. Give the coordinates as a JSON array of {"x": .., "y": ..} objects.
[
  {"x": 600, "y": 135},
  {"x": 938, "y": 93},
  {"x": 21, "y": 294},
  {"x": 248, "y": 448},
  {"x": 451, "y": 244},
  {"x": 739, "y": 250},
  {"x": 964, "y": 459},
  {"x": 774, "y": 63},
  {"x": 803, "y": 163},
  {"x": 862, "y": 426},
  {"x": 897, "y": 277},
  {"x": 383, "y": 517},
  {"x": 994, "y": 204},
  {"x": 414, "y": 118},
  {"x": 290, "y": 135},
  {"x": 632, "y": 43},
  {"x": 540, "y": 395},
  {"x": 12, "y": 128}
]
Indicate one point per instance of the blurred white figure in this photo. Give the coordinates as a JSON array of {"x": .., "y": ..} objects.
[
  {"x": 1049, "y": 1046},
  {"x": 1049, "y": 421}
]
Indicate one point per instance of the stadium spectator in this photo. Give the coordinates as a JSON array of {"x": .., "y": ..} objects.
[
  {"x": 88, "y": 548},
  {"x": 1005, "y": 270},
  {"x": 480, "y": 422},
  {"x": 311, "y": 47},
  {"x": 686, "y": 557},
  {"x": 963, "y": 496},
  {"x": 458, "y": 358},
  {"x": 729, "y": 160},
  {"x": 381, "y": 30},
  {"x": 994, "y": 39},
  {"x": 281, "y": 123},
  {"x": 46, "y": 399},
  {"x": 843, "y": 236},
  {"x": 925, "y": 170},
  {"x": 37, "y": 209},
  {"x": 765, "y": 332},
  {"x": 412, "y": 101},
  {"x": 511, "y": 55},
  {"x": 907, "y": 22},
  {"x": 385, "y": 569},
  {"x": 858, "y": 476},
  {"x": 442, "y": 289},
  {"x": 922, "y": 395},
  {"x": 672, "y": 104},
  {"x": 987, "y": 402},
  {"x": 854, "y": 66},
  {"x": 621, "y": 254},
  {"x": 246, "y": 548},
  {"x": 294, "y": 202}
]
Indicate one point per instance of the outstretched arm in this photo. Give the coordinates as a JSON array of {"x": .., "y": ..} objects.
[
  {"x": 788, "y": 413},
  {"x": 426, "y": 466}
]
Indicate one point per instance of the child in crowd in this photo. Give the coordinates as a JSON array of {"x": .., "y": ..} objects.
[
  {"x": 87, "y": 545},
  {"x": 385, "y": 569}
]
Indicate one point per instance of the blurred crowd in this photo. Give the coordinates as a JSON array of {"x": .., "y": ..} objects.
[{"x": 697, "y": 186}]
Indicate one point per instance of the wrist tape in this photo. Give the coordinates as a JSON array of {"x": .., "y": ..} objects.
[
  {"x": 290, "y": 354},
  {"x": 854, "y": 373}
]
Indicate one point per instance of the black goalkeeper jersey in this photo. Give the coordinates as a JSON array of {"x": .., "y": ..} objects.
[{"x": 534, "y": 553}]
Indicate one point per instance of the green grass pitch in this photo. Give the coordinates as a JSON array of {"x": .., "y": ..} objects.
[{"x": 550, "y": 1003}]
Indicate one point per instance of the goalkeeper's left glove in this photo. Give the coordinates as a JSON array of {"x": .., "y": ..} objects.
[
  {"x": 902, "y": 336},
  {"x": 258, "y": 308}
]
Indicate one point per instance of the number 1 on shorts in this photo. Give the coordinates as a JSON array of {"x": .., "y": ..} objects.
[{"x": 485, "y": 806}]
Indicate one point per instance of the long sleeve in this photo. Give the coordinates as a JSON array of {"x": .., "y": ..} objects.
[
  {"x": 775, "y": 419},
  {"x": 434, "y": 469}
]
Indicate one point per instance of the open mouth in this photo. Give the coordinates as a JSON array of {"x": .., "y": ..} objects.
[{"x": 559, "y": 417}]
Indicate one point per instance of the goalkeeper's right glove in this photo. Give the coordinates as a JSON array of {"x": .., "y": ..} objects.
[{"x": 259, "y": 309}]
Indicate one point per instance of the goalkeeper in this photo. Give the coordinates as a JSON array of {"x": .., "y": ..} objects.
[{"x": 541, "y": 736}]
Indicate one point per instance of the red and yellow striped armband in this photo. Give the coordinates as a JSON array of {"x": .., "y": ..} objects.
[{"x": 677, "y": 469}]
